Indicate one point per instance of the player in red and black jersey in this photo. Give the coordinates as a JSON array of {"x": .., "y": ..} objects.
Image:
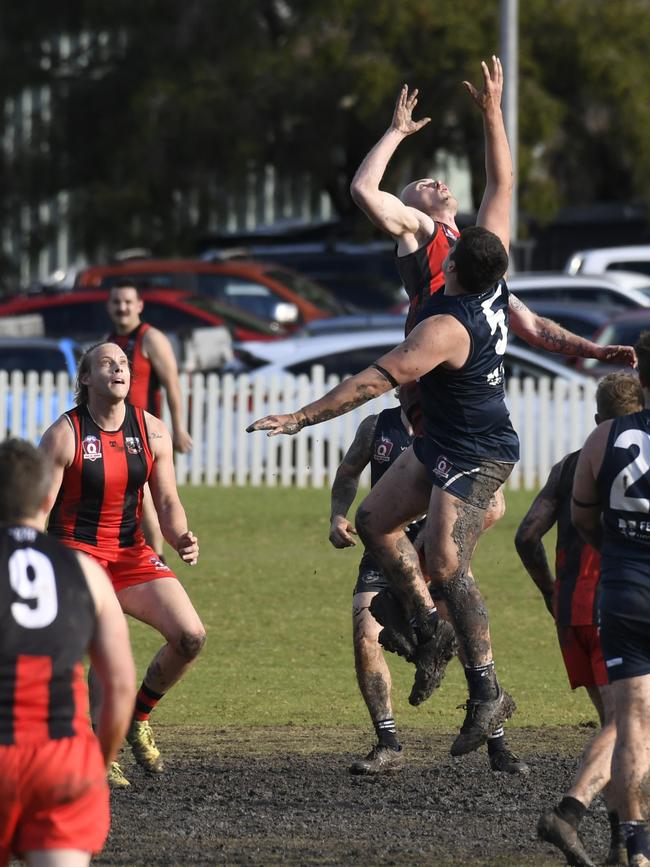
[
  {"x": 570, "y": 596},
  {"x": 55, "y": 606},
  {"x": 153, "y": 364},
  {"x": 105, "y": 451}
]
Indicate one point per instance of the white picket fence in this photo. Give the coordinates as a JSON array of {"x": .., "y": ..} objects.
[{"x": 552, "y": 418}]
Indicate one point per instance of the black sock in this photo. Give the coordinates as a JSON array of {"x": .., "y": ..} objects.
[
  {"x": 387, "y": 733},
  {"x": 636, "y": 838},
  {"x": 571, "y": 810},
  {"x": 614, "y": 829},
  {"x": 496, "y": 741},
  {"x": 482, "y": 682}
]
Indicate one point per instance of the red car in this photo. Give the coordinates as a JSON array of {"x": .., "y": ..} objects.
[
  {"x": 83, "y": 316},
  {"x": 272, "y": 292}
]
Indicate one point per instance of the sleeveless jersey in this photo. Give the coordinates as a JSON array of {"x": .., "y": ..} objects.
[
  {"x": 464, "y": 410},
  {"x": 389, "y": 441},
  {"x": 421, "y": 271},
  {"x": 145, "y": 385},
  {"x": 47, "y": 619},
  {"x": 577, "y": 565},
  {"x": 99, "y": 506}
]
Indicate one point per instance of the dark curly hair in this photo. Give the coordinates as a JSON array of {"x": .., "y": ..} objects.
[{"x": 480, "y": 259}]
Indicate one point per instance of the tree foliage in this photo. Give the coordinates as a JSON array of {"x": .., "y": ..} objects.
[{"x": 156, "y": 100}]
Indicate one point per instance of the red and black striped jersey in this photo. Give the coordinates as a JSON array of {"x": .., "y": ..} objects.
[
  {"x": 421, "y": 271},
  {"x": 99, "y": 506},
  {"x": 47, "y": 620},
  {"x": 145, "y": 385},
  {"x": 577, "y": 564}
]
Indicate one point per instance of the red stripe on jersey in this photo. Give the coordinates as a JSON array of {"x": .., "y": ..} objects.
[
  {"x": 32, "y": 699},
  {"x": 584, "y": 593},
  {"x": 145, "y": 386},
  {"x": 80, "y": 696},
  {"x": 116, "y": 474}
]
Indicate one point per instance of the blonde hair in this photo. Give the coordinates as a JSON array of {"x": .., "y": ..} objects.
[{"x": 617, "y": 394}]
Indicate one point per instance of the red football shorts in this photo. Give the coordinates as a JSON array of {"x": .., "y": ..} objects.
[
  {"x": 136, "y": 565},
  {"x": 583, "y": 658},
  {"x": 53, "y": 795}
]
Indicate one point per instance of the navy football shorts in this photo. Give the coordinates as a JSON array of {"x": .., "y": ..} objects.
[
  {"x": 370, "y": 579},
  {"x": 625, "y": 643}
]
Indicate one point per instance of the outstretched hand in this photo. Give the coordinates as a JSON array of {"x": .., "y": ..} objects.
[
  {"x": 402, "y": 116},
  {"x": 618, "y": 355},
  {"x": 490, "y": 94},
  {"x": 277, "y": 424}
]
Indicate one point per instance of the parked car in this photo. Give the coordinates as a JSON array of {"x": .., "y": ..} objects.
[
  {"x": 273, "y": 293},
  {"x": 581, "y": 319},
  {"x": 623, "y": 330},
  {"x": 83, "y": 315},
  {"x": 24, "y": 355},
  {"x": 610, "y": 259},
  {"x": 623, "y": 292},
  {"x": 348, "y": 353}
]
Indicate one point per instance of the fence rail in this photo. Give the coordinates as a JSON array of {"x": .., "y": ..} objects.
[{"x": 552, "y": 417}]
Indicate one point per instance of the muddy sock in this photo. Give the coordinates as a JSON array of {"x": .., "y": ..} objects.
[
  {"x": 482, "y": 682},
  {"x": 614, "y": 827},
  {"x": 387, "y": 733},
  {"x": 636, "y": 838},
  {"x": 571, "y": 810},
  {"x": 424, "y": 629},
  {"x": 496, "y": 741},
  {"x": 145, "y": 702}
]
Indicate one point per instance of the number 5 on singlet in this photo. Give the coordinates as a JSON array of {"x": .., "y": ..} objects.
[{"x": 496, "y": 319}]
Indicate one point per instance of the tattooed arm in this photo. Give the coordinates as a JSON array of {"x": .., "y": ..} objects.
[
  {"x": 346, "y": 483},
  {"x": 539, "y": 519},
  {"x": 546, "y": 334},
  {"x": 432, "y": 342}
]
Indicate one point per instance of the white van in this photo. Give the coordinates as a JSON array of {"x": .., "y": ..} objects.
[{"x": 633, "y": 258}]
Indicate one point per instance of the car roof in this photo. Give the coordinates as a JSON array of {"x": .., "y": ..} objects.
[
  {"x": 623, "y": 252},
  {"x": 38, "y": 342},
  {"x": 560, "y": 278},
  {"x": 293, "y": 350}
]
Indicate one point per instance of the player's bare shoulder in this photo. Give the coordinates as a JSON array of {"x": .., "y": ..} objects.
[
  {"x": 59, "y": 441},
  {"x": 160, "y": 441}
]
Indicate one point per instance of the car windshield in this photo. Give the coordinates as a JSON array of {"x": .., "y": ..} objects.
[
  {"x": 620, "y": 333},
  {"x": 152, "y": 280},
  {"x": 232, "y": 314},
  {"x": 307, "y": 289}
]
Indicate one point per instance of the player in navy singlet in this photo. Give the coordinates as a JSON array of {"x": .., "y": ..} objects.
[
  {"x": 153, "y": 365},
  {"x": 379, "y": 441},
  {"x": 105, "y": 450},
  {"x": 56, "y": 605},
  {"x": 611, "y": 509},
  {"x": 454, "y": 486},
  {"x": 571, "y": 596}
]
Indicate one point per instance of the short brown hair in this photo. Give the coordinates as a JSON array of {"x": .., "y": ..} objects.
[
  {"x": 480, "y": 259},
  {"x": 642, "y": 349},
  {"x": 617, "y": 394},
  {"x": 125, "y": 283},
  {"x": 25, "y": 480}
]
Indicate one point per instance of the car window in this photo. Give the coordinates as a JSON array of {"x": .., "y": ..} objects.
[
  {"x": 518, "y": 367},
  {"x": 246, "y": 294},
  {"x": 642, "y": 267},
  {"x": 85, "y": 320},
  {"x": 596, "y": 295},
  {"x": 307, "y": 289},
  {"x": 343, "y": 363},
  {"x": 153, "y": 280},
  {"x": 36, "y": 358},
  {"x": 168, "y": 318},
  {"x": 618, "y": 333}
]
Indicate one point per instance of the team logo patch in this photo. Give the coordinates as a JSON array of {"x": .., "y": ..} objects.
[
  {"x": 158, "y": 564},
  {"x": 383, "y": 450},
  {"x": 133, "y": 445},
  {"x": 92, "y": 448},
  {"x": 443, "y": 467}
]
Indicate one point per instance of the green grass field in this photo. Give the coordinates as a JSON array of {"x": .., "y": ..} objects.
[{"x": 275, "y": 598}]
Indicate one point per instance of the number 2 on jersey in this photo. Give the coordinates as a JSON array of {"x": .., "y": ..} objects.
[
  {"x": 631, "y": 473},
  {"x": 32, "y": 578}
]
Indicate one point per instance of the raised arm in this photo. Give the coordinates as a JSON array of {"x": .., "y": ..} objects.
[
  {"x": 437, "y": 339},
  {"x": 161, "y": 355},
  {"x": 162, "y": 482},
  {"x": 545, "y": 334},
  {"x": 346, "y": 483},
  {"x": 383, "y": 209},
  {"x": 537, "y": 521},
  {"x": 494, "y": 212}
]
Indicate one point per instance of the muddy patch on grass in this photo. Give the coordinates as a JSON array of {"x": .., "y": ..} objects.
[{"x": 284, "y": 795}]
